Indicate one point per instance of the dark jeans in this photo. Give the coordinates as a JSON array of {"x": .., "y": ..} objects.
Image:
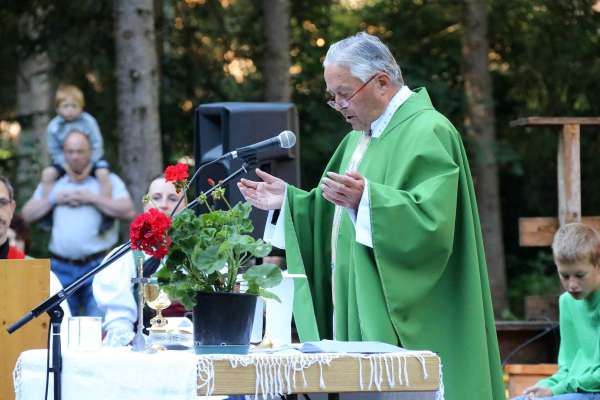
[{"x": 82, "y": 302}]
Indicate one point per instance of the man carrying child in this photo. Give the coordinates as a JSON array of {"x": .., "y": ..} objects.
[
  {"x": 70, "y": 116},
  {"x": 76, "y": 243}
]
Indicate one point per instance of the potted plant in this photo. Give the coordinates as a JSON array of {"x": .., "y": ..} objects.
[{"x": 206, "y": 253}]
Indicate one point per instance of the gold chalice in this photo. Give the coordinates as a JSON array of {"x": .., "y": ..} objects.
[{"x": 157, "y": 300}]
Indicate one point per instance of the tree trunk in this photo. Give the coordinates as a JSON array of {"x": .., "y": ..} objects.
[
  {"x": 276, "y": 65},
  {"x": 480, "y": 124},
  {"x": 34, "y": 105},
  {"x": 138, "y": 122}
]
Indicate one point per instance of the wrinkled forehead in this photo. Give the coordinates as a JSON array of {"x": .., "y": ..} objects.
[{"x": 339, "y": 78}]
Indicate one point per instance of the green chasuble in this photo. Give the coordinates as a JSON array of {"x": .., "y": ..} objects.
[{"x": 424, "y": 284}]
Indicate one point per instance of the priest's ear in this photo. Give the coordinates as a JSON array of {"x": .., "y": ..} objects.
[{"x": 383, "y": 82}]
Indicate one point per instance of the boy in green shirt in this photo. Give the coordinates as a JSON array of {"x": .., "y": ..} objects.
[{"x": 576, "y": 250}]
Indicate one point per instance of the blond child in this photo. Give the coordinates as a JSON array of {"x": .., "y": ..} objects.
[
  {"x": 70, "y": 116},
  {"x": 576, "y": 250}
]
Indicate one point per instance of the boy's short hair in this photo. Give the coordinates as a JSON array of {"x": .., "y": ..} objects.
[
  {"x": 576, "y": 242},
  {"x": 69, "y": 91}
]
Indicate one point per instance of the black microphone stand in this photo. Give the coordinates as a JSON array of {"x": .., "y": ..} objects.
[{"x": 52, "y": 307}]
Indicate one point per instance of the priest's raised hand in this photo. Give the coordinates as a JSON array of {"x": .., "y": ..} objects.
[
  {"x": 266, "y": 195},
  {"x": 343, "y": 190}
]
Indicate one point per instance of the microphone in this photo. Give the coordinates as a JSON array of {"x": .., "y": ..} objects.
[{"x": 285, "y": 140}]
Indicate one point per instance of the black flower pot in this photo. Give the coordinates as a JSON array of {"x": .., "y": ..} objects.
[{"x": 223, "y": 322}]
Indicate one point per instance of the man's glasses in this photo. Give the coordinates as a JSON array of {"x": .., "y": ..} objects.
[
  {"x": 5, "y": 203},
  {"x": 345, "y": 102}
]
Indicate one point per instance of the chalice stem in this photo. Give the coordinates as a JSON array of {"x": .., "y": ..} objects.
[{"x": 139, "y": 342}]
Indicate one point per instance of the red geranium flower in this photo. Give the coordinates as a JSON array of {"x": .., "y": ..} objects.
[
  {"x": 177, "y": 174},
  {"x": 148, "y": 232}
]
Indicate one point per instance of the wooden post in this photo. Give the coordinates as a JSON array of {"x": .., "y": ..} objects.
[
  {"x": 569, "y": 175},
  {"x": 539, "y": 231}
]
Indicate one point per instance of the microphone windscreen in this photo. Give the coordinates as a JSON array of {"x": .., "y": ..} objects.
[{"x": 287, "y": 139}]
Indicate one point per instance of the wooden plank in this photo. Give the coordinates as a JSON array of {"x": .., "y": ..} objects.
[
  {"x": 522, "y": 376},
  {"x": 340, "y": 376},
  {"x": 23, "y": 284},
  {"x": 555, "y": 121},
  {"x": 569, "y": 175},
  {"x": 531, "y": 369},
  {"x": 539, "y": 231},
  {"x": 523, "y": 325}
]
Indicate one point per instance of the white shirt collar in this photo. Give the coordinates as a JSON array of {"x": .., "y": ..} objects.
[{"x": 379, "y": 125}]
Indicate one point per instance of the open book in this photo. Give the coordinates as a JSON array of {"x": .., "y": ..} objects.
[{"x": 334, "y": 346}]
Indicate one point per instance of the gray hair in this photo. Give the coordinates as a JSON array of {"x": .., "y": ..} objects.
[{"x": 364, "y": 55}]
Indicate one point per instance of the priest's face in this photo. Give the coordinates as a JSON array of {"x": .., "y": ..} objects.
[
  {"x": 163, "y": 197},
  {"x": 359, "y": 102},
  {"x": 579, "y": 278}
]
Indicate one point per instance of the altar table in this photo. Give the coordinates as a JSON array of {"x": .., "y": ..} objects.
[{"x": 119, "y": 373}]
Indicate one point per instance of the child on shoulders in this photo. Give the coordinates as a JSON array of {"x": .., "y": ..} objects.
[{"x": 69, "y": 103}]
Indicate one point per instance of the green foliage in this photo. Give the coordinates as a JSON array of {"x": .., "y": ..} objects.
[
  {"x": 207, "y": 252},
  {"x": 535, "y": 275}
]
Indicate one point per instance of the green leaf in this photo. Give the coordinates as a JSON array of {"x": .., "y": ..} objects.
[
  {"x": 265, "y": 294},
  {"x": 261, "y": 248},
  {"x": 208, "y": 260},
  {"x": 263, "y": 275}
]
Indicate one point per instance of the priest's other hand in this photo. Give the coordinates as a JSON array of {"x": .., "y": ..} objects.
[
  {"x": 343, "y": 190},
  {"x": 266, "y": 195}
]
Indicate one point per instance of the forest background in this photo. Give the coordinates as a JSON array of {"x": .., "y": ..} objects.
[{"x": 145, "y": 65}]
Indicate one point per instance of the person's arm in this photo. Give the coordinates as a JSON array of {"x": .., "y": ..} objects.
[
  {"x": 559, "y": 382},
  {"x": 96, "y": 141},
  {"x": 118, "y": 206},
  {"x": 121, "y": 208},
  {"x": 113, "y": 292},
  {"x": 36, "y": 207}
]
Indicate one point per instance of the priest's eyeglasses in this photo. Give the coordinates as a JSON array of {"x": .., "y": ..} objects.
[{"x": 345, "y": 102}]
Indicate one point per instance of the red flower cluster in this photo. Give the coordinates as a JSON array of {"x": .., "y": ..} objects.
[
  {"x": 148, "y": 232},
  {"x": 176, "y": 173}
]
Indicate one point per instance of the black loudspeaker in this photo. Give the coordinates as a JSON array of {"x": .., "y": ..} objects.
[{"x": 224, "y": 127}]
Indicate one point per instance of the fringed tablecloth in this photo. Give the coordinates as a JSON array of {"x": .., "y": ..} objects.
[{"x": 119, "y": 373}]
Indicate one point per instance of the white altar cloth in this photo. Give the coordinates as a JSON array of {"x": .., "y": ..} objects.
[
  {"x": 119, "y": 373},
  {"x": 110, "y": 373}
]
